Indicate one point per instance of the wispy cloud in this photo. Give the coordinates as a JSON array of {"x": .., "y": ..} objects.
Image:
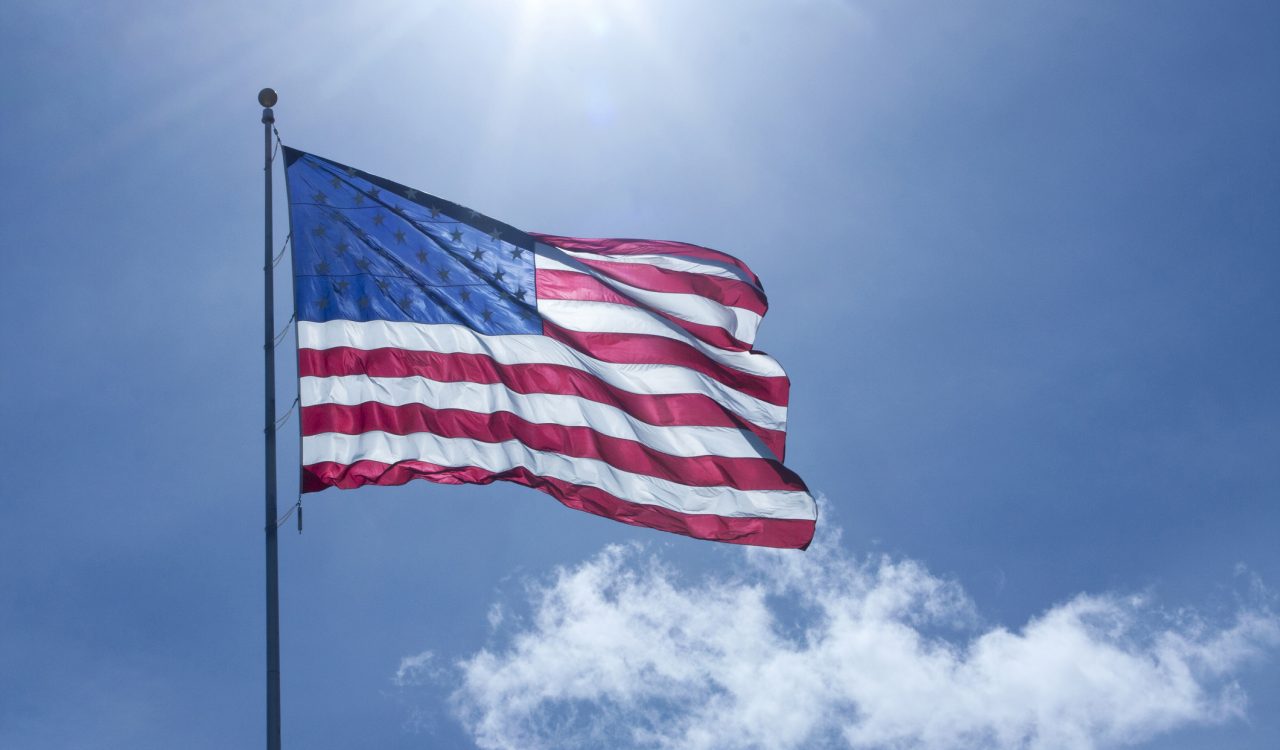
[
  {"x": 417, "y": 669},
  {"x": 825, "y": 650}
]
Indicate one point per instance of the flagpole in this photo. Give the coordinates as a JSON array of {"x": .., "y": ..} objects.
[{"x": 267, "y": 98}]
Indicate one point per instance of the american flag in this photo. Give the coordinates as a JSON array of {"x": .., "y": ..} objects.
[{"x": 617, "y": 376}]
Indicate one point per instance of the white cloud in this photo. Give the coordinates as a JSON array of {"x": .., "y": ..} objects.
[
  {"x": 417, "y": 669},
  {"x": 821, "y": 650}
]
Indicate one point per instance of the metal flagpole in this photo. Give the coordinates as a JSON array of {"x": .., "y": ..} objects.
[{"x": 267, "y": 98}]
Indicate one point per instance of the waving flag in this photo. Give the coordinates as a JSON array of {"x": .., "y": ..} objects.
[{"x": 617, "y": 376}]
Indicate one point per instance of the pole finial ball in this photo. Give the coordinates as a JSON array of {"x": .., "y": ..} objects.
[{"x": 267, "y": 97}]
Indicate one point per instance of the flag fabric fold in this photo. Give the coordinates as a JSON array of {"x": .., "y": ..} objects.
[{"x": 616, "y": 375}]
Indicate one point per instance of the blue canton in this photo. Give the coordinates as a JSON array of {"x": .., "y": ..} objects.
[{"x": 366, "y": 248}]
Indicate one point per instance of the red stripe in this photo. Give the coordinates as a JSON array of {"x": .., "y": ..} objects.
[
  {"x": 556, "y": 284},
  {"x": 655, "y": 409},
  {"x": 764, "y": 532},
  {"x": 646, "y": 349},
  {"x": 645, "y": 247},
  {"x": 572, "y": 285},
  {"x": 731, "y": 292},
  {"x": 578, "y": 442}
]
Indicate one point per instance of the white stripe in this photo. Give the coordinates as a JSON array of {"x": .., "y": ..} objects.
[
  {"x": 540, "y": 408},
  {"x": 637, "y": 488},
  {"x": 739, "y": 322},
  {"x": 652, "y": 379},
  {"x": 609, "y": 317},
  {"x": 671, "y": 263}
]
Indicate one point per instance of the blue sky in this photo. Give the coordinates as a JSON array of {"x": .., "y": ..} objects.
[{"x": 1022, "y": 260}]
